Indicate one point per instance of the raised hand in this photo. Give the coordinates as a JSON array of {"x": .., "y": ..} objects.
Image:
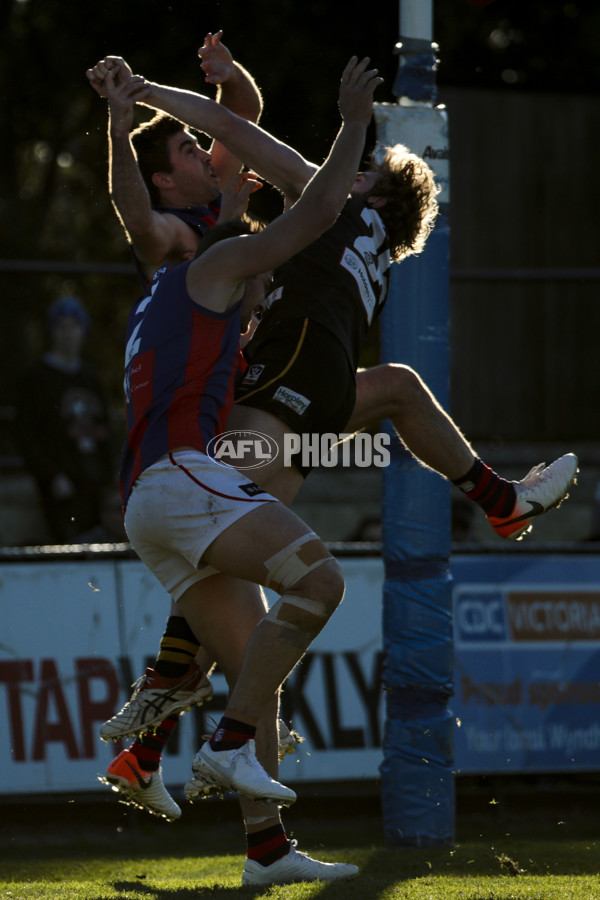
[
  {"x": 111, "y": 78},
  {"x": 217, "y": 61},
  {"x": 356, "y": 90},
  {"x": 234, "y": 200},
  {"x": 114, "y": 66}
]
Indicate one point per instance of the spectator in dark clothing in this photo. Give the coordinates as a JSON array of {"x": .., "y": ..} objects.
[{"x": 63, "y": 432}]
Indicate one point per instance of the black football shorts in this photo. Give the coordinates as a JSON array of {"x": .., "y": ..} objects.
[{"x": 300, "y": 373}]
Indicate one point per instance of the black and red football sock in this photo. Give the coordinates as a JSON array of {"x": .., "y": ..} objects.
[
  {"x": 268, "y": 845},
  {"x": 231, "y": 734},
  {"x": 495, "y": 495},
  {"x": 148, "y": 747}
]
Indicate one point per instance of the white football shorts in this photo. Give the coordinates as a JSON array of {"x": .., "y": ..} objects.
[{"x": 178, "y": 506}]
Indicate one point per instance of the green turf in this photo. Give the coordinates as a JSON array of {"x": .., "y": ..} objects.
[
  {"x": 505, "y": 850},
  {"x": 472, "y": 871}
]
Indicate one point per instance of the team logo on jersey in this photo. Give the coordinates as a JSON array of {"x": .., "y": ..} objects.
[
  {"x": 292, "y": 399},
  {"x": 350, "y": 260},
  {"x": 242, "y": 449},
  {"x": 253, "y": 374}
]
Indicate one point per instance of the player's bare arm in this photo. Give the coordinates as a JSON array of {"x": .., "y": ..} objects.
[
  {"x": 236, "y": 90},
  {"x": 231, "y": 261},
  {"x": 271, "y": 159},
  {"x": 160, "y": 237},
  {"x": 156, "y": 237}
]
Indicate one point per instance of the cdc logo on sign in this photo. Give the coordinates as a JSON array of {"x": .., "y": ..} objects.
[{"x": 480, "y": 616}]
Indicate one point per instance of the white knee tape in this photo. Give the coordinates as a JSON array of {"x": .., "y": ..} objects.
[
  {"x": 291, "y": 633},
  {"x": 286, "y": 568},
  {"x": 314, "y": 607}
]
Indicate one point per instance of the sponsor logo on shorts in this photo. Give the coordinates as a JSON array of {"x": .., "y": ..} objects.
[
  {"x": 253, "y": 374},
  {"x": 242, "y": 449},
  {"x": 292, "y": 399},
  {"x": 251, "y": 489}
]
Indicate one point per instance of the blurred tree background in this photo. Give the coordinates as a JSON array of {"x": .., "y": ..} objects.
[{"x": 56, "y": 215}]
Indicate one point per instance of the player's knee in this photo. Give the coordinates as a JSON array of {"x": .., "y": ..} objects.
[
  {"x": 404, "y": 385},
  {"x": 403, "y": 378},
  {"x": 307, "y": 571},
  {"x": 324, "y": 585},
  {"x": 304, "y": 609},
  {"x": 292, "y": 565}
]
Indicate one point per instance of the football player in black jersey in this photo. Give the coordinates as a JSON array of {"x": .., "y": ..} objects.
[
  {"x": 305, "y": 351},
  {"x": 302, "y": 376}
]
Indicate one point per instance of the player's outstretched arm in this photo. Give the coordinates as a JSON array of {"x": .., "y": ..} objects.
[
  {"x": 319, "y": 205},
  {"x": 271, "y": 159},
  {"x": 152, "y": 234},
  {"x": 325, "y": 194},
  {"x": 236, "y": 90}
]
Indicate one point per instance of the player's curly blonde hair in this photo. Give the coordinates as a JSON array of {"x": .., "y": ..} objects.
[{"x": 408, "y": 184}]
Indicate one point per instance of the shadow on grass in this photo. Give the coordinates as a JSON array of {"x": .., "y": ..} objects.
[
  {"x": 383, "y": 869},
  {"x": 192, "y": 893}
]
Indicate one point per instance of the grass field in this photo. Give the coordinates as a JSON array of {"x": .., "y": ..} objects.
[{"x": 537, "y": 845}]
